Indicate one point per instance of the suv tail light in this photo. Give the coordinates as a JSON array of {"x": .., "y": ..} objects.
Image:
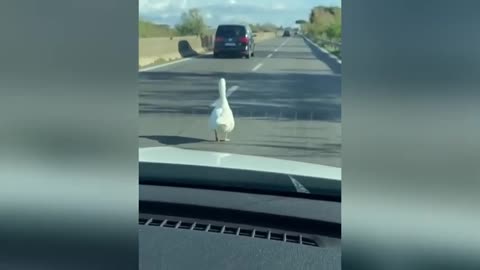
[
  {"x": 244, "y": 40},
  {"x": 218, "y": 39}
]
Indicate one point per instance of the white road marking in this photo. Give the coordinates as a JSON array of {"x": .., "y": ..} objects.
[
  {"x": 171, "y": 63},
  {"x": 270, "y": 55},
  {"x": 164, "y": 65},
  {"x": 229, "y": 92},
  {"x": 281, "y": 45},
  {"x": 257, "y": 66},
  {"x": 323, "y": 50}
]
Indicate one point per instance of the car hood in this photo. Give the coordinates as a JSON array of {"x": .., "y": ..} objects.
[{"x": 179, "y": 156}]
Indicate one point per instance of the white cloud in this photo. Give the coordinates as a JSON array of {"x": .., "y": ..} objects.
[
  {"x": 221, "y": 11},
  {"x": 166, "y": 15},
  {"x": 234, "y": 19},
  {"x": 279, "y": 6},
  {"x": 184, "y": 4},
  {"x": 153, "y": 5}
]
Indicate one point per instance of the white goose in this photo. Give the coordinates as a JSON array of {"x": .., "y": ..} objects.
[{"x": 221, "y": 119}]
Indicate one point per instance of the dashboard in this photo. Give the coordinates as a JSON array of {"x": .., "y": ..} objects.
[{"x": 190, "y": 228}]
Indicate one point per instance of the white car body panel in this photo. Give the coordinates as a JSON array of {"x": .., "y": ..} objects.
[{"x": 174, "y": 155}]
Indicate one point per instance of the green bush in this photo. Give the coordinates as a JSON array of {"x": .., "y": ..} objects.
[
  {"x": 192, "y": 23},
  {"x": 324, "y": 22},
  {"x": 325, "y": 26},
  {"x": 334, "y": 31}
]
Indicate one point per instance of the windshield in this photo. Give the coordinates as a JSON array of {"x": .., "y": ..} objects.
[
  {"x": 230, "y": 31},
  {"x": 275, "y": 94}
]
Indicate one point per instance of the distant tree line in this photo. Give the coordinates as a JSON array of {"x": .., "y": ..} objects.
[
  {"x": 149, "y": 29},
  {"x": 266, "y": 27},
  {"x": 191, "y": 23},
  {"x": 324, "y": 22}
]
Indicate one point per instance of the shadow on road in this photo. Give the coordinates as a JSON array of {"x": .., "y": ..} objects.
[
  {"x": 224, "y": 56},
  {"x": 271, "y": 96},
  {"x": 173, "y": 140},
  {"x": 283, "y": 115}
]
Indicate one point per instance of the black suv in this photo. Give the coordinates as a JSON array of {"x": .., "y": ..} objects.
[{"x": 234, "y": 39}]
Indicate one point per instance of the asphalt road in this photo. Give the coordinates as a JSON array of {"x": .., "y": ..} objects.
[{"x": 286, "y": 101}]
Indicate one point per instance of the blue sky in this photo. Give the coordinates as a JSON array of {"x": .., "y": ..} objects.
[{"x": 280, "y": 12}]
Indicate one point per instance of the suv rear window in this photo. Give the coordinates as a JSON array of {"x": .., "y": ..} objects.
[{"x": 230, "y": 31}]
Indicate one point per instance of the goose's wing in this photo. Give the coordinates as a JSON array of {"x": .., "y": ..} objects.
[
  {"x": 214, "y": 116},
  {"x": 226, "y": 120}
]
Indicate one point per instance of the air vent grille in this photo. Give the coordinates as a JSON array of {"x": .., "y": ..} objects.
[{"x": 214, "y": 228}]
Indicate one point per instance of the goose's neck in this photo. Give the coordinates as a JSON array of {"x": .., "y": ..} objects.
[
  {"x": 222, "y": 91},
  {"x": 223, "y": 98},
  {"x": 224, "y": 102}
]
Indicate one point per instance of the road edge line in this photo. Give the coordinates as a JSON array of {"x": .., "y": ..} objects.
[
  {"x": 257, "y": 67},
  {"x": 323, "y": 50},
  {"x": 172, "y": 62}
]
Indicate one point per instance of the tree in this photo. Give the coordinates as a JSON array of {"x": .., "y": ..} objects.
[
  {"x": 334, "y": 31},
  {"x": 324, "y": 22},
  {"x": 191, "y": 23},
  {"x": 300, "y": 22},
  {"x": 312, "y": 16}
]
